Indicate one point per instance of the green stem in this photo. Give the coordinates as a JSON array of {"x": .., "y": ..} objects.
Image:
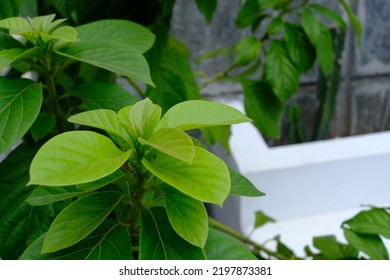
[
  {"x": 136, "y": 205},
  {"x": 218, "y": 76},
  {"x": 246, "y": 240}
]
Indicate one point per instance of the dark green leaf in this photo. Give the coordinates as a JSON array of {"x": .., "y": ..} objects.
[
  {"x": 263, "y": 107},
  {"x": 45, "y": 195},
  {"x": 159, "y": 241},
  {"x": 373, "y": 221},
  {"x": 371, "y": 244},
  {"x": 262, "y": 219},
  {"x": 20, "y": 103},
  {"x": 275, "y": 4},
  {"x": 220, "y": 246},
  {"x": 354, "y": 20},
  {"x": 248, "y": 14},
  {"x": 298, "y": 46},
  {"x": 42, "y": 126},
  {"x": 109, "y": 241},
  {"x": 280, "y": 72},
  {"x": 187, "y": 216},
  {"x": 247, "y": 50},
  {"x": 206, "y": 179},
  {"x": 79, "y": 219},
  {"x": 321, "y": 38},
  {"x": 9, "y": 8},
  {"x": 221, "y": 134},
  {"x": 330, "y": 14},
  {"x": 104, "y": 96},
  {"x": 275, "y": 26},
  {"x": 241, "y": 186},
  {"x": 333, "y": 250},
  {"x": 207, "y": 8}
]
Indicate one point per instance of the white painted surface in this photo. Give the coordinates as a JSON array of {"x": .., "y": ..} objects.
[{"x": 310, "y": 188}]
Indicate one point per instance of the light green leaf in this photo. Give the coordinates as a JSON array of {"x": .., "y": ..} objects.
[
  {"x": 88, "y": 187},
  {"x": 45, "y": 195},
  {"x": 103, "y": 119},
  {"x": 104, "y": 96},
  {"x": 261, "y": 219},
  {"x": 115, "y": 57},
  {"x": 371, "y": 244},
  {"x": 79, "y": 219},
  {"x": 301, "y": 52},
  {"x": 109, "y": 241},
  {"x": 247, "y": 50},
  {"x": 321, "y": 38},
  {"x": 42, "y": 126},
  {"x": 263, "y": 106},
  {"x": 144, "y": 117},
  {"x": 65, "y": 34},
  {"x": 173, "y": 142},
  {"x": 207, "y": 8},
  {"x": 241, "y": 186},
  {"x": 220, "y": 246},
  {"x": 125, "y": 32},
  {"x": 9, "y": 56},
  {"x": 15, "y": 25},
  {"x": 198, "y": 113},
  {"x": 280, "y": 72},
  {"x": 206, "y": 179},
  {"x": 373, "y": 221},
  {"x": 20, "y": 103},
  {"x": 187, "y": 216},
  {"x": 354, "y": 20},
  {"x": 159, "y": 241},
  {"x": 75, "y": 157}
]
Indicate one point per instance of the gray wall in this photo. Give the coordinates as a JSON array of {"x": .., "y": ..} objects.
[{"x": 363, "y": 99}]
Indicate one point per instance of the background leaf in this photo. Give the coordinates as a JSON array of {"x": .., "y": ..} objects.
[
  {"x": 20, "y": 102},
  {"x": 220, "y": 246},
  {"x": 187, "y": 216},
  {"x": 206, "y": 179},
  {"x": 79, "y": 219},
  {"x": 9, "y": 8},
  {"x": 75, "y": 157},
  {"x": 333, "y": 250},
  {"x": 159, "y": 241},
  {"x": 247, "y": 50},
  {"x": 45, "y": 195},
  {"x": 207, "y": 8},
  {"x": 261, "y": 219}
]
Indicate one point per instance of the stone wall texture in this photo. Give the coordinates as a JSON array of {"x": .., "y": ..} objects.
[{"x": 363, "y": 104}]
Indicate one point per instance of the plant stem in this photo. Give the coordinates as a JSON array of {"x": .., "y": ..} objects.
[
  {"x": 246, "y": 240},
  {"x": 136, "y": 205},
  {"x": 218, "y": 76},
  {"x": 51, "y": 90}
]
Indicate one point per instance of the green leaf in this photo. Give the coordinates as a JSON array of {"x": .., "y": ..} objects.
[
  {"x": 9, "y": 8},
  {"x": 115, "y": 57},
  {"x": 263, "y": 106},
  {"x": 144, "y": 117},
  {"x": 65, "y": 35},
  {"x": 248, "y": 14},
  {"x": 109, "y": 241},
  {"x": 76, "y": 157},
  {"x": 301, "y": 52},
  {"x": 373, "y": 221},
  {"x": 262, "y": 219},
  {"x": 276, "y": 4},
  {"x": 42, "y": 126},
  {"x": 79, "y": 219},
  {"x": 357, "y": 26},
  {"x": 20, "y": 103},
  {"x": 95, "y": 185},
  {"x": 330, "y": 14},
  {"x": 173, "y": 142},
  {"x": 15, "y": 25},
  {"x": 241, "y": 186},
  {"x": 371, "y": 244},
  {"x": 104, "y": 96},
  {"x": 125, "y": 32},
  {"x": 103, "y": 119},
  {"x": 333, "y": 250},
  {"x": 321, "y": 38},
  {"x": 221, "y": 134},
  {"x": 18, "y": 219},
  {"x": 159, "y": 241},
  {"x": 9, "y": 56},
  {"x": 220, "y": 246},
  {"x": 187, "y": 216},
  {"x": 198, "y": 113},
  {"x": 206, "y": 179},
  {"x": 275, "y": 26},
  {"x": 280, "y": 72},
  {"x": 207, "y": 8},
  {"x": 247, "y": 50},
  {"x": 43, "y": 195}
]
